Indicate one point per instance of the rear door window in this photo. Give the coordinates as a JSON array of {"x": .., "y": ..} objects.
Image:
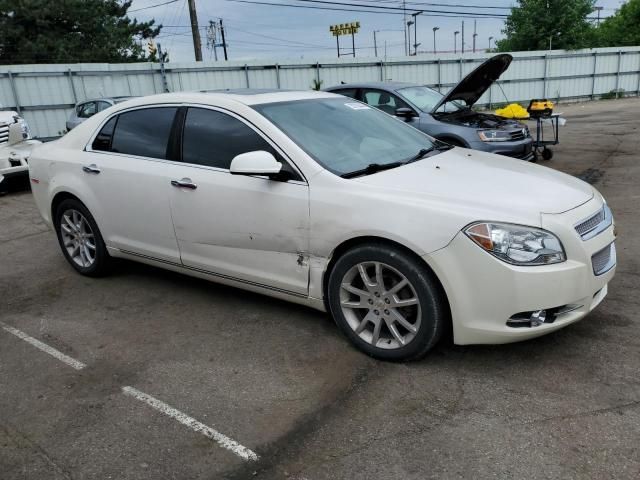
[
  {"x": 144, "y": 132},
  {"x": 87, "y": 110},
  {"x": 347, "y": 92},
  {"x": 102, "y": 141},
  {"x": 385, "y": 101}
]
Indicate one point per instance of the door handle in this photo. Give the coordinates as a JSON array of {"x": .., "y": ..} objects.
[
  {"x": 93, "y": 168},
  {"x": 184, "y": 183}
]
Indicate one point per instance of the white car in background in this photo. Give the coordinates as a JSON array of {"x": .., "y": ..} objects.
[
  {"x": 322, "y": 200},
  {"x": 15, "y": 146},
  {"x": 88, "y": 108}
]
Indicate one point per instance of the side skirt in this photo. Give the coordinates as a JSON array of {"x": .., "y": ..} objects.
[{"x": 293, "y": 297}]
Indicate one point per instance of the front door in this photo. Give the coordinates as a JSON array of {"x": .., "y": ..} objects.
[{"x": 247, "y": 228}]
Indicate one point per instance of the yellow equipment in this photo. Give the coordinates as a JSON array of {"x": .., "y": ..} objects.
[
  {"x": 540, "y": 107},
  {"x": 513, "y": 110}
]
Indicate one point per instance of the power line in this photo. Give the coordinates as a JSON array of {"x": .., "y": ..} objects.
[
  {"x": 385, "y": 7},
  {"x": 152, "y": 6},
  {"x": 431, "y": 14}
]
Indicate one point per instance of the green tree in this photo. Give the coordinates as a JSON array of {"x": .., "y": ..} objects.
[
  {"x": 70, "y": 31},
  {"x": 532, "y": 23},
  {"x": 622, "y": 28}
]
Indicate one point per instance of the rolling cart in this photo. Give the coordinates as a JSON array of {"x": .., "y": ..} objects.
[
  {"x": 541, "y": 110},
  {"x": 540, "y": 144}
]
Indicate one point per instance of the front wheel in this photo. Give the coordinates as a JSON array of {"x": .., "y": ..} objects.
[{"x": 387, "y": 303}]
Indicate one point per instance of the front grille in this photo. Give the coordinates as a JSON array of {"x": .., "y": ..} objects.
[
  {"x": 590, "y": 223},
  {"x": 519, "y": 134},
  {"x": 604, "y": 260},
  {"x": 4, "y": 133},
  {"x": 595, "y": 224}
]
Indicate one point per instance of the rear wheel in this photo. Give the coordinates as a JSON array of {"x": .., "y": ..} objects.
[
  {"x": 386, "y": 303},
  {"x": 80, "y": 240}
]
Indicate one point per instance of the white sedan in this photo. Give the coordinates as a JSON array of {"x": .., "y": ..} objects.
[{"x": 321, "y": 200}]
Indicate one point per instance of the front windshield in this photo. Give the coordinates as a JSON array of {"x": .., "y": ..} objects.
[
  {"x": 345, "y": 136},
  {"x": 426, "y": 99}
]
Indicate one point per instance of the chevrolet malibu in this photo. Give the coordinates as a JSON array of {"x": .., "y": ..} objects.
[{"x": 322, "y": 200}]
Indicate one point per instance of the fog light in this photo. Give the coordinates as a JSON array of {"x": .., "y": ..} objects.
[
  {"x": 531, "y": 319},
  {"x": 538, "y": 318}
]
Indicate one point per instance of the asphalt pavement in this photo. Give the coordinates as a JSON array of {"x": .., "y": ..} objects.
[{"x": 179, "y": 378}]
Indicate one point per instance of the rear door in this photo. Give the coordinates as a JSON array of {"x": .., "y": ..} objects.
[
  {"x": 128, "y": 171},
  {"x": 246, "y": 228}
]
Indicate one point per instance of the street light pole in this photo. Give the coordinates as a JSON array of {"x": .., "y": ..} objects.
[
  {"x": 455, "y": 41},
  {"x": 475, "y": 34},
  {"x": 435, "y": 29},
  {"x": 375, "y": 44}
]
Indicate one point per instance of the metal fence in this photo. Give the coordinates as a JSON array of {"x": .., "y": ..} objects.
[{"x": 46, "y": 94}]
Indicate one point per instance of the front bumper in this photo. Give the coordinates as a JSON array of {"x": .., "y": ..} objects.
[
  {"x": 484, "y": 292},
  {"x": 522, "y": 149}
]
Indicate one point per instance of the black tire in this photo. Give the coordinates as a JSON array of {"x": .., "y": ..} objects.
[
  {"x": 547, "y": 154},
  {"x": 433, "y": 306},
  {"x": 102, "y": 261}
]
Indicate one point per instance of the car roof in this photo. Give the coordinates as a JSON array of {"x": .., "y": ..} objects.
[
  {"x": 379, "y": 85},
  {"x": 243, "y": 96},
  {"x": 120, "y": 98}
]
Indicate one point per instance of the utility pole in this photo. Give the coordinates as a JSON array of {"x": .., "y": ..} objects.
[
  {"x": 212, "y": 38},
  {"x": 375, "y": 44},
  {"x": 409, "y": 23},
  {"x": 197, "y": 46},
  {"x": 415, "y": 32},
  {"x": 599, "y": 9},
  {"x": 462, "y": 38},
  {"x": 490, "y": 38},
  {"x": 224, "y": 42},
  {"x": 455, "y": 41},
  {"x": 435, "y": 29},
  {"x": 474, "y": 35}
]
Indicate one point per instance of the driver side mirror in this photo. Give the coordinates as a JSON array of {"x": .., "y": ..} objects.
[
  {"x": 258, "y": 162},
  {"x": 406, "y": 113}
]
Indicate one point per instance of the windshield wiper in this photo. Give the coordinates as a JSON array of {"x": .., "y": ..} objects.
[
  {"x": 423, "y": 152},
  {"x": 372, "y": 168}
]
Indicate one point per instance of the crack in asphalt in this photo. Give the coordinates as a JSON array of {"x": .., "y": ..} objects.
[
  {"x": 291, "y": 444},
  {"x": 16, "y": 436}
]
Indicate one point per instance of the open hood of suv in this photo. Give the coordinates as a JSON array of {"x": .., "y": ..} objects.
[{"x": 472, "y": 87}]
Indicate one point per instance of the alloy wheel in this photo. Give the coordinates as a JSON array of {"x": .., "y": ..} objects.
[
  {"x": 380, "y": 305},
  {"x": 78, "y": 238}
]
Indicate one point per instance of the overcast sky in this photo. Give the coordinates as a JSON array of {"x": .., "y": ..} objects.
[{"x": 270, "y": 32}]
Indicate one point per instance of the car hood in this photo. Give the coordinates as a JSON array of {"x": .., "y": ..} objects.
[
  {"x": 489, "y": 187},
  {"x": 472, "y": 87}
]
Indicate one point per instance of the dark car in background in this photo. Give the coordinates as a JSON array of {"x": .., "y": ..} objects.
[{"x": 450, "y": 117}]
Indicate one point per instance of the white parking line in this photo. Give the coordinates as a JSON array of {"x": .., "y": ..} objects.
[
  {"x": 72, "y": 362},
  {"x": 221, "y": 439}
]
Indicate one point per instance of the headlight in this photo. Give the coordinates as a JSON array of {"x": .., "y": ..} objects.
[
  {"x": 517, "y": 244},
  {"x": 494, "y": 135}
]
